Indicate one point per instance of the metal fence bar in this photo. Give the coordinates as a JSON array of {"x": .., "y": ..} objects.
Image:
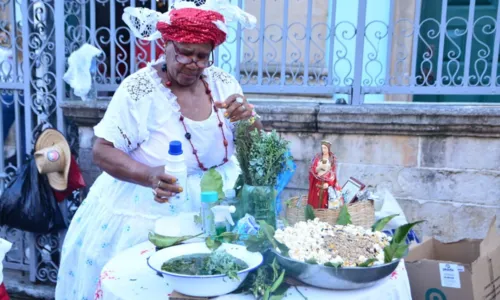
[
  {"x": 132, "y": 48},
  {"x": 390, "y": 33},
  {"x": 112, "y": 24},
  {"x": 2, "y": 156},
  {"x": 308, "y": 43},
  {"x": 27, "y": 76},
  {"x": 284, "y": 43},
  {"x": 237, "y": 70},
  {"x": 60, "y": 61},
  {"x": 358, "y": 67},
  {"x": 262, "y": 28},
  {"x": 13, "y": 39},
  {"x": 468, "y": 46},
  {"x": 152, "y": 44},
  {"x": 19, "y": 146},
  {"x": 331, "y": 41},
  {"x": 416, "y": 33},
  {"x": 93, "y": 39},
  {"x": 83, "y": 22},
  {"x": 442, "y": 34},
  {"x": 496, "y": 53}
]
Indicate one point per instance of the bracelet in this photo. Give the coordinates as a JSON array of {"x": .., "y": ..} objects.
[{"x": 254, "y": 117}]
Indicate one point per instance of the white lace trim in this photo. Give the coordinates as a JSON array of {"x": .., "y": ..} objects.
[
  {"x": 172, "y": 98},
  {"x": 142, "y": 21}
]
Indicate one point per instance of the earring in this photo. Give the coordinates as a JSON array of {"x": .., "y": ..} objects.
[{"x": 164, "y": 70}]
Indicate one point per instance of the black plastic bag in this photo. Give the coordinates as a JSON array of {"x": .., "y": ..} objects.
[{"x": 29, "y": 204}]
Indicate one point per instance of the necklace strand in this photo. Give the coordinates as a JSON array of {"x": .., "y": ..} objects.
[{"x": 220, "y": 124}]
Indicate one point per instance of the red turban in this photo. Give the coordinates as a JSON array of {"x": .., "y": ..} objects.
[{"x": 193, "y": 26}]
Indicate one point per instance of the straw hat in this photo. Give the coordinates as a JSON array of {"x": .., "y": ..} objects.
[{"x": 53, "y": 157}]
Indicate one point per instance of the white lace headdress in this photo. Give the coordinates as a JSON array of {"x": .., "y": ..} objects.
[{"x": 142, "y": 21}]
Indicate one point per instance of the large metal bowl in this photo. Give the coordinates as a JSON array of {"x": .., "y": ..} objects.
[{"x": 348, "y": 278}]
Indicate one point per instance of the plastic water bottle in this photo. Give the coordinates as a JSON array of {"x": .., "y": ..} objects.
[
  {"x": 176, "y": 166},
  {"x": 208, "y": 200}
]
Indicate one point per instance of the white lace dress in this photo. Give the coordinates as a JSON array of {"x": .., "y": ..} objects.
[{"x": 141, "y": 120}]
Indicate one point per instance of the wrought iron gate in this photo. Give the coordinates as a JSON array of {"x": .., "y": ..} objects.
[{"x": 30, "y": 88}]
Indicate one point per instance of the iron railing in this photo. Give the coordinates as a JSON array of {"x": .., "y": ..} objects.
[{"x": 323, "y": 47}]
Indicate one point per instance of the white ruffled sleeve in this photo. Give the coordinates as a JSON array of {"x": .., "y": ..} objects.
[{"x": 125, "y": 122}]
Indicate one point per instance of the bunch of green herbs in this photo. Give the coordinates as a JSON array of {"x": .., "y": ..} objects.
[{"x": 262, "y": 155}]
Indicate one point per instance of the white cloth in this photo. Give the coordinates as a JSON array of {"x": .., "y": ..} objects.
[
  {"x": 4, "y": 248},
  {"x": 78, "y": 74},
  {"x": 142, "y": 118},
  {"x": 128, "y": 277}
]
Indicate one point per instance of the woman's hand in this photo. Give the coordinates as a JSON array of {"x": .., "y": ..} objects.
[
  {"x": 237, "y": 108},
  {"x": 164, "y": 186}
]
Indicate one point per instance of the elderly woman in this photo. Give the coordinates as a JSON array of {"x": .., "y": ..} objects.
[{"x": 179, "y": 97}]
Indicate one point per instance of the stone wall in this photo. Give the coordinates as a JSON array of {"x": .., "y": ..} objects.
[{"x": 442, "y": 163}]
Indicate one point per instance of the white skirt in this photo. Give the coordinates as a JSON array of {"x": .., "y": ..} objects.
[{"x": 116, "y": 215}]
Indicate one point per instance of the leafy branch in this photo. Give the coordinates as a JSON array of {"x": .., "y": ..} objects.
[
  {"x": 162, "y": 241},
  {"x": 214, "y": 242},
  {"x": 262, "y": 155}
]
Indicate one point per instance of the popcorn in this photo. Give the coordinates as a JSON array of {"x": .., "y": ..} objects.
[{"x": 348, "y": 245}]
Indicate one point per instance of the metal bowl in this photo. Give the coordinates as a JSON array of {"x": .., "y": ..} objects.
[{"x": 348, "y": 278}]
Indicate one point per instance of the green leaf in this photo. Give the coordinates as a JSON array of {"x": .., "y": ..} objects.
[
  {"x": 162, "y": 241},
  {"x": 402, "y": 231},
  {"x": 197, "y": 219},
  {"x": 344, "y": 216},
  {"x": 367, "y": 263},
  {"x": 268, "y": 231},
  {"x": 229, "y": 237},
  {"x": 256, "y": 243},
  {"x": 380, "y": 224},
  {"x": 311, "y": 261},
  {"x": 267, "y": 294},
  {"x": 309, "y": 212},
  {"x": 280, "y": 292},
  {"x": 396, "y": 250},
  {"x": 212, "y": 182},
  {"x": 212, "y": 243},
  {"x": 333, "y": 265},
  {"x": 278, "y": 282}
]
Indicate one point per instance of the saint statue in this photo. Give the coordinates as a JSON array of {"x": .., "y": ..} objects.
[{"x": 323, "y": 185}]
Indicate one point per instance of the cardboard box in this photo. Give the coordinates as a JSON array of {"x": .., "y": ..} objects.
[{"x": 463, "y": 270}]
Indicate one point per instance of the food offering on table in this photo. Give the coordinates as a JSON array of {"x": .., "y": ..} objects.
[
  {"x": 341, "y": 242},
  {"x": 213, "y": 270},
  {"x": 341, "y": 256},
  {"x": 216, "y": 263},
  {"x": 324, "y": 190},
  {"x": 338, "y": 245}
]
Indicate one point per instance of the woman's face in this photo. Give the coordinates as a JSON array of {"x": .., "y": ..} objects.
[
  {"x": 186, "y": 62},
  {"x": 324, "y": 149}
]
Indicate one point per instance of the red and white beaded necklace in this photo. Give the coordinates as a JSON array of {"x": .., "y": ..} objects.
[{"x": 187, "y": 135}]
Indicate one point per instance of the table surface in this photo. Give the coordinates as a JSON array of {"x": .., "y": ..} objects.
[{"x": 127, "y": 276}]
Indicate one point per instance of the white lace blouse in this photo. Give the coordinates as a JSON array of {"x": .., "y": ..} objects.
[{"x": 141, "y": 120}]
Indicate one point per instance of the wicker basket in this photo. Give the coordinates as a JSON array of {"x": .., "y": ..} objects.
[{"x": 362, "y": 213}]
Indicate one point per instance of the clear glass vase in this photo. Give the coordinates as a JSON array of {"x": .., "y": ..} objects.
[{"x": 260, "y": 202}]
